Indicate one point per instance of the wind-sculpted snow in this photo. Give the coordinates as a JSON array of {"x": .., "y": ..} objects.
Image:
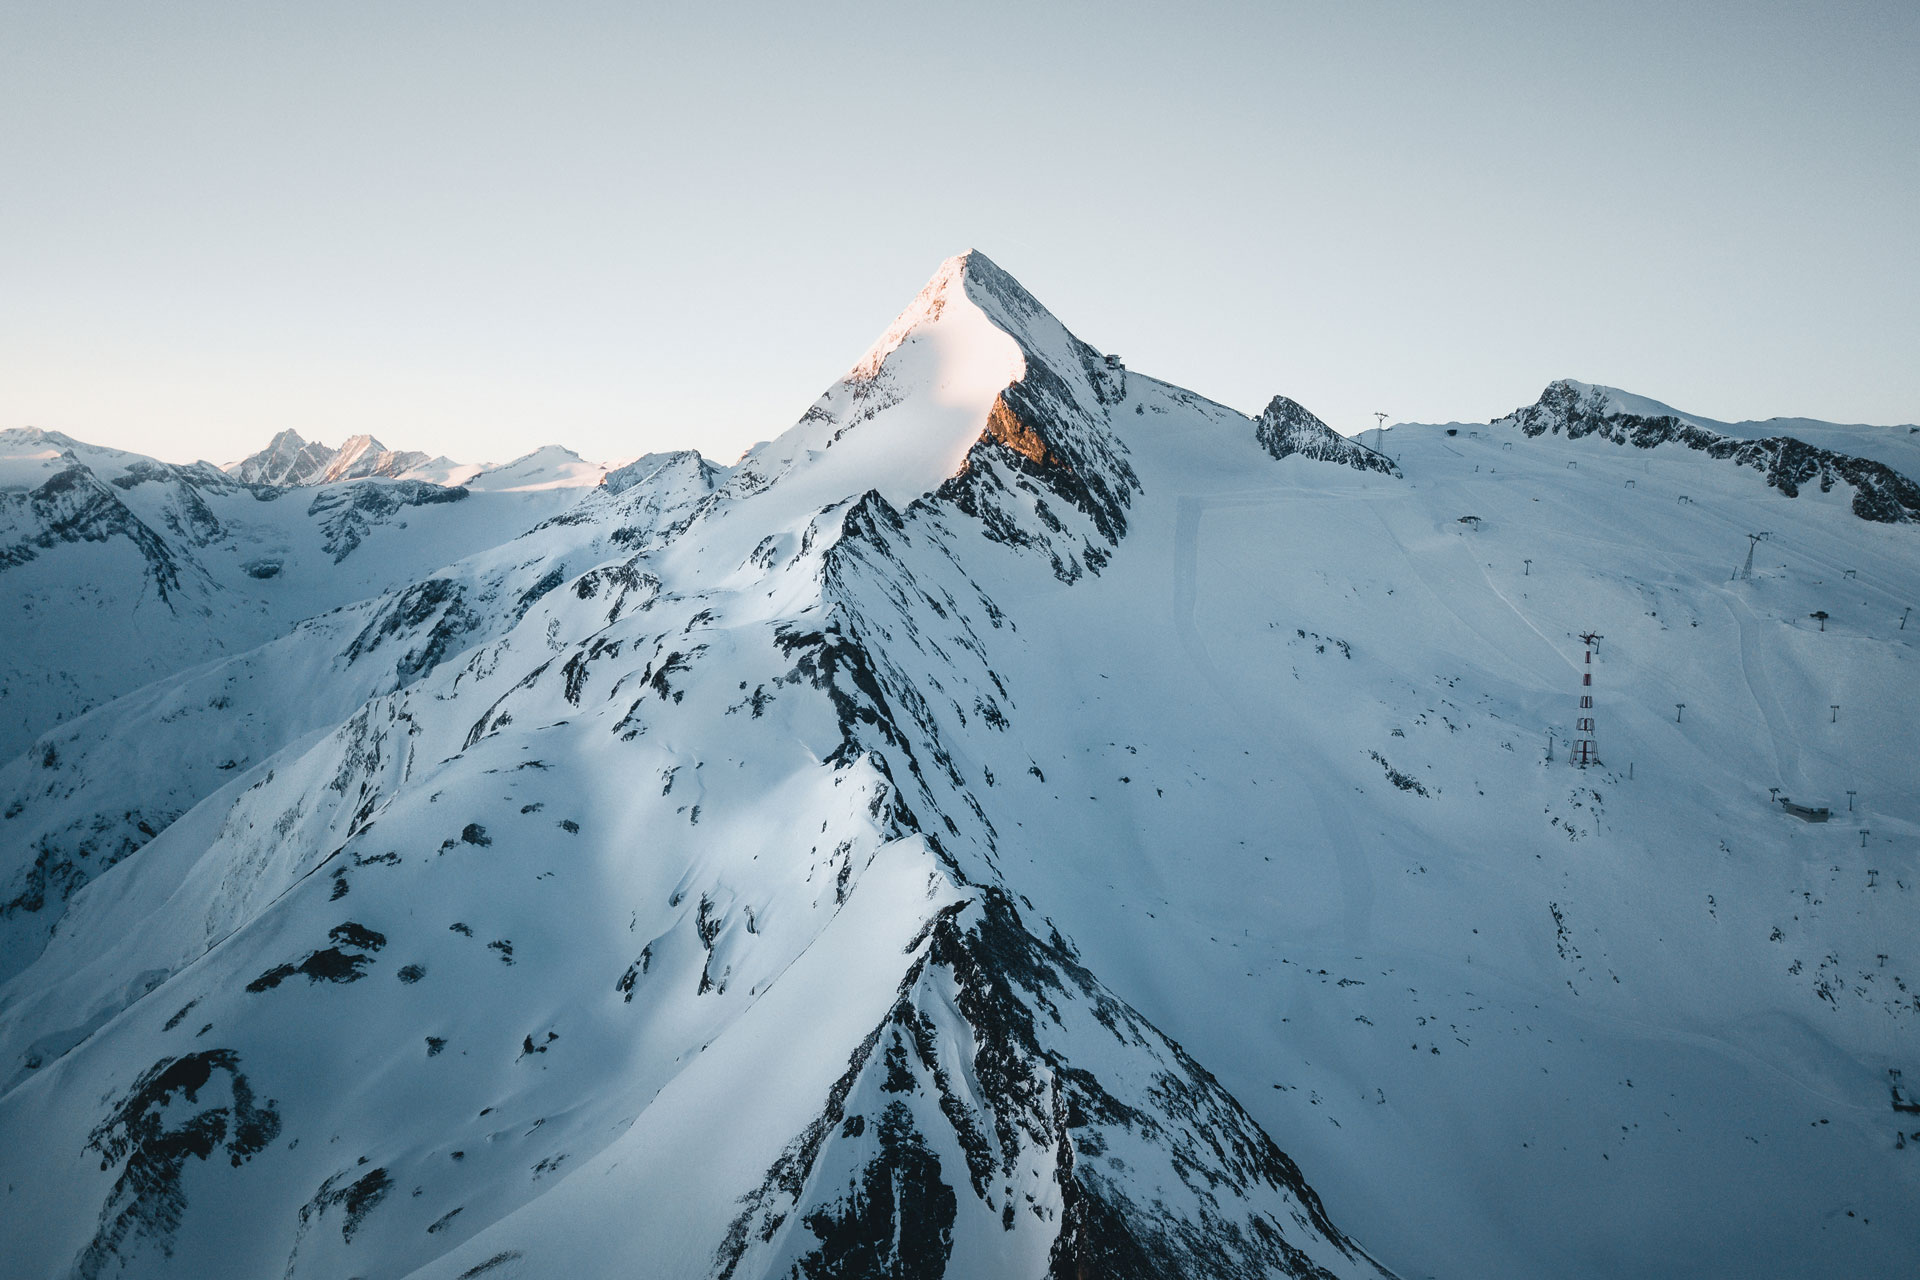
[{"x": 844, "y": 864}]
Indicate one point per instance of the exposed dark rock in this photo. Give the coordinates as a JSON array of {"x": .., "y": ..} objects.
[
  {"x": 1285, "y": 429},
  {"x": 152, "y": 1137},
  {"x": 74, "y": 505},
  {"x": 357, "y": 1199},
  {"x": 1880, "y": 493},
  {"x": 401, "y": 617},
  {"x": 345, "y": 961},
  {"x": 348, "y": 512},
  {"x": 1018, "y": 996}
]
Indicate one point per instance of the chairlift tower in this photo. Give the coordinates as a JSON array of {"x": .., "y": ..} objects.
[
  {"x": 1753, "y": 542},
  {"x": 1379, "y": 430},
  {"x": 1582, "y": 752}
]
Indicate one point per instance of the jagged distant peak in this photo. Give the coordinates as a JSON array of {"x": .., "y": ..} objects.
[
  {"x": 1822, "y": 453},
  {"x": 289, "y": 461},
  {"x": 621, "y": 478},
  {"x": 359, "y": 445},
  {"x": 362, "y": 456},
  {"x": 1287, "y": 428},
  {"x": 1567, "y": 399},
  {"x": 1566, "y": 395}
]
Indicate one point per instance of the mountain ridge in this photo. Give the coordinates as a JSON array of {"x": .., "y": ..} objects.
[{"x": 705, "y": 870}]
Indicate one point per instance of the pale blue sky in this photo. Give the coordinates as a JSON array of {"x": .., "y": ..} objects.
[{"x": 473, "y": 228}]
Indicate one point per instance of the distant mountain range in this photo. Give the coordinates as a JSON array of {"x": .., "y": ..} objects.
[
  {"x": 288, "y": 461},
  {"x": 1025, "y": 820}
]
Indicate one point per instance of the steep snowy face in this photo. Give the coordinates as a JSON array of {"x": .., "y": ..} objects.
[
  {"x": 1879, "y": 492},
  {"x": 902, "y": 419}
]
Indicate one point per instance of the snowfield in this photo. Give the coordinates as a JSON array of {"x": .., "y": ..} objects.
[{"x": 1025, "y": 820}]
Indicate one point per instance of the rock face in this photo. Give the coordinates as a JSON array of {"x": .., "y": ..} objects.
[
  {"x": 290, "y": 462},
  {"x": 843, "y": 864},
  {"x": 1286, "y": 428},
  {"x": 346, "y": 512},
  {"x": 287, "y": 460},
  {"x": 1574, "y": 409}
]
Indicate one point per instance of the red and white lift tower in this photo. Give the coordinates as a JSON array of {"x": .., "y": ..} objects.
[{"x": 1583, "y": 752}]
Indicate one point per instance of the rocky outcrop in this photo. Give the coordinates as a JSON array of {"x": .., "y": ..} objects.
[
  {"x": 291, "y": 462},
  {"x": 1047, "y": 435},
  {"x": 74, "y": 505},
  {"x": 979, "y": 1055},
  {"x": 347, "y": 513},
  {"x": 1880, "y": 493},
  {"x": 701, "y": 473},
  {"x": 1286, "y": 429}
]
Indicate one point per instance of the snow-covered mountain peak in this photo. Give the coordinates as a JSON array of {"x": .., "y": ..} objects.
[
  {"x": 29, "y": 455},
  {"x": 697, "y": 867},
  {"x": 1287, "y": 427},
  {"x": 926, "y": 309},
  {"x": 1615, "y": 400},
  {"x": 289, "y": 461},
  {"x": 972, "y": 375},
  {"x": 976, "y": 282},
  {"x": 354, "y": 454},
  {"x": 1875, "y": 464},
  {"x": 548, "y": 467},
  {"x": 648, "y": 465},
  {"x": 902, "y": 419}
]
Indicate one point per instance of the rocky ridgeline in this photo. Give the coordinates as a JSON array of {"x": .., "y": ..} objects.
[
  {"x": 1880, "y": 493},
  {"x": 1286, "y": 428}
]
